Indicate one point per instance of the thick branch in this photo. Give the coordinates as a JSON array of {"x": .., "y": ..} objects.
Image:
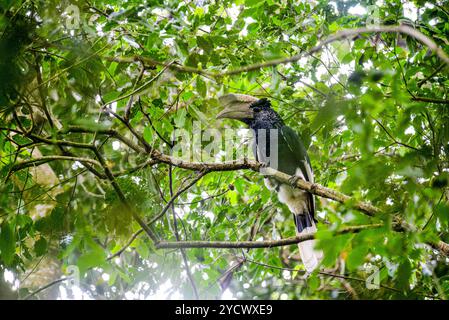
[
  {"x": 321, "y": 191},
  {"x": 232, "y": 244},
  {"x": 442, "y": 247},
  {"x": 255, "y": 244},
  {"x": 313, "y": 188},
  {"x": 206, "y": 166},
  {"x": 280, "y": 176}
]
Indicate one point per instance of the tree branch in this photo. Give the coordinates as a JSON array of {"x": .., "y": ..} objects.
[
  {"x": 137, "y": 90},
  {"x": 233, "y": 244},
  {"x": 441, "y": 246},
  {"x": 48, "y": 285},
  {"x": 176, "y": 195},
  {"x": 343, "y": 34},
  {"x": 313, "y": 188},
  {"x": 316, "y": 189},
  {"x": 109, "y": 132},
  {"x": 256, "y": 244},
  {"x": 159, "y": 215},
  {"x": 431, "y": 100},
  {"x": 280, "y": 176},
  {"x": 44, "y": 159},
  {"x": 123, "y": 199}
]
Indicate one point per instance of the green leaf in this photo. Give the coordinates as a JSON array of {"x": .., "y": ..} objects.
[
  {"x": 205, "y": 44},
  {"x": 357, "y": 256},
  {"x": 7, "y": 243},
  {"x": 442, "y": 212},
  {"x": 148, "y": 134},
  {"x": 91, "y": 259},
  {"x": 313, "y": 283},
  {"x": 296, "y": 269},
  {"x": 180, "y": 119},
  {"x": 40, "y": 247},
  {"x": 201, "y": 87},
  {"x": 404, "y": 274}
]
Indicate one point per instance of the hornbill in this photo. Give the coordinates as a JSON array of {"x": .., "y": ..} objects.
[{"x": 292, "y": 159}]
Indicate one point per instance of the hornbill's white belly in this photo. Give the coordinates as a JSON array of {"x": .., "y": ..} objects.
[{"x": 297, "y": 201}]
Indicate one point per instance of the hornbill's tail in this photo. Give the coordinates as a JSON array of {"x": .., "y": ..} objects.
[{"x": 309, "y": 255}]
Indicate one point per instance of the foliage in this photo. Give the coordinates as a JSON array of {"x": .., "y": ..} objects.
[{"x": 372, "y": 110}]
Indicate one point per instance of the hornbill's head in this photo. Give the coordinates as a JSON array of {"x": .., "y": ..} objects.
[{"x": 250, "y": 110}]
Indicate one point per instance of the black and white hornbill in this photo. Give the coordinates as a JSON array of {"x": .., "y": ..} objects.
[{"x": 292, "y": 159}]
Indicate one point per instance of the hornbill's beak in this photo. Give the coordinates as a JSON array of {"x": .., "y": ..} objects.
[{"x": 236, "y": 106}]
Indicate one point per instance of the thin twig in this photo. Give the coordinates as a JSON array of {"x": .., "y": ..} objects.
[
  {"x": 160, "y": 215},
  {"x": 123, "y": 199},
  {"x": 137, "y": 90},
  {"x": 45, "y": 287},
  {"x": 176, "y": 195}
]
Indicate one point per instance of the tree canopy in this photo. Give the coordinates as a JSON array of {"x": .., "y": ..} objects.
[{"x": 100, "y": 198}]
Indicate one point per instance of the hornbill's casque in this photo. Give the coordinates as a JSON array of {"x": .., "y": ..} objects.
[{"x": 292, "y": 159}]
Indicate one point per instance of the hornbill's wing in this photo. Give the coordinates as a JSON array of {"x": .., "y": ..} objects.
[
  {"x": 293, "y": 156},
  {"x": 301, "y": 160}
]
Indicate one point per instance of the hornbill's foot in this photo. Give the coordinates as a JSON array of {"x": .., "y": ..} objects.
[
  {"x": 263, "y": 164},
  {"x": 293, "y": 180}
]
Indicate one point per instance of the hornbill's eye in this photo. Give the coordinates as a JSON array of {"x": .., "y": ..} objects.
[{"x": 256, "y": 109}]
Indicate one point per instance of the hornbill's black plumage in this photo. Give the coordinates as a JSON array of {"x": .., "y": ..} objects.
[{"x": 292, "y": 159}]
